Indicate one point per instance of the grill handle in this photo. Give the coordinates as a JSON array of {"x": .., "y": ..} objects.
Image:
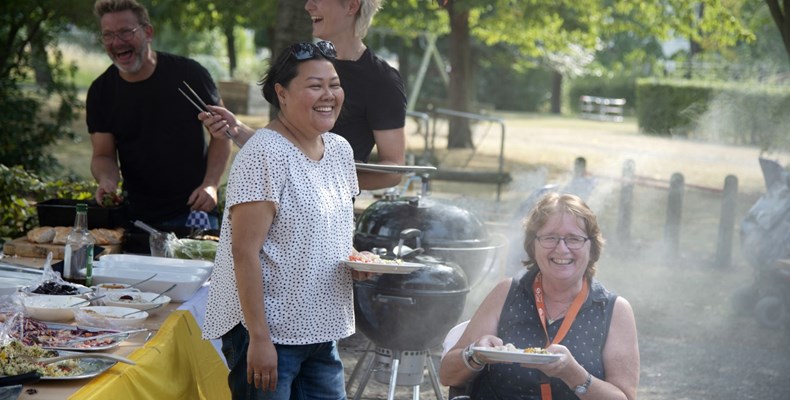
[{"x": 383, "y": 298}]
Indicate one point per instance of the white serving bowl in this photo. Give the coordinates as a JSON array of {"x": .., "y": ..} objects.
[
  {"x": 108, "y": 316},
  {"x": 140, "y": 301},
  {"x": 111, "y": 287},
  {"x": 52, "y": 308}
]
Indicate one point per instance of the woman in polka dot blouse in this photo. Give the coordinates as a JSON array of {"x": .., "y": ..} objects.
[
  {"x": 556, "y": 305},
  {"x": 280, "y": 297}
]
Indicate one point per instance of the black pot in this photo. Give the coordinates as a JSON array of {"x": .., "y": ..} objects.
[
  {"x": 412, "y": 311},
  {"x": 444, "y": 227}
]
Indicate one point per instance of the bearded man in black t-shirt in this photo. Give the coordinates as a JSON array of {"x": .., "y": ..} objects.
[{"x": 143, "y": 130}]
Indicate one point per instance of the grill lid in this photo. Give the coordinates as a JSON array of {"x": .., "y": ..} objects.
[{"x": 442, "y": 224}]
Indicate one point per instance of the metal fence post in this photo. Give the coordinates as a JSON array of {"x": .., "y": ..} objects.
[
  {"x": 674, "y": 214},
  {"x": 727, "y": 222},
  {"x": 625, "y": 209}
]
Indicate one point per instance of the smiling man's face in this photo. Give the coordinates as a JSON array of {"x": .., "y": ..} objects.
[{"x": 128, "y": 55}]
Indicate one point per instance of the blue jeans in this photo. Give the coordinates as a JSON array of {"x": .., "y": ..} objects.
[{"x": 312, "y": 371}]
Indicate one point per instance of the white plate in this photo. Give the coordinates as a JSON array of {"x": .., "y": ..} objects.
[
  {"x": 109, "y": 316},
  {"x": 519, "y": 357},
  {"x": 51, "y": 308},
  {"x": 385, "y": 268},
  {"x": 139, "y": 300}
]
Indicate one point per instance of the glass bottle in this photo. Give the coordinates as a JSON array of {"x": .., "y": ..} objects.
[{"x": 79, "y": 250}]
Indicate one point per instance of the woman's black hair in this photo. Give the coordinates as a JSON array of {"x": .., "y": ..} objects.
[{"x": 284, "y": 70}]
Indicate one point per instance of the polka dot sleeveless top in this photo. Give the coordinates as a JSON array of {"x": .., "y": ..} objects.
[
  {"x": 308, "y": 293},
  {"x": 519, "y": 324}
]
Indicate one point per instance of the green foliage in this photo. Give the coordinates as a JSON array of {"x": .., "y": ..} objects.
[
  {"x": 667, "y": 107},
  {"x": 20, "y": 190},
  {"x": 736, "y": 113},
  {"x": 42, "y": 114}
]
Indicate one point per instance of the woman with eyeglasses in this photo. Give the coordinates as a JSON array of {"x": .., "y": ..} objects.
[
  {"x": 280, "y": 297},
  {"x": 374, "y": 113},
  {"x": 588, "y": 333}
]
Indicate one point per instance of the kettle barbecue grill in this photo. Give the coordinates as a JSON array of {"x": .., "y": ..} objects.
[{"x": 404, "y": 316}]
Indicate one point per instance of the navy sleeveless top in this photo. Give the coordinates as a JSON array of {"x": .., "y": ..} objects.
[{"x": 519, "y": 324}]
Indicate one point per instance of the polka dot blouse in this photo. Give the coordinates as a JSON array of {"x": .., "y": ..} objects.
[{"x": 308, "y": 293}]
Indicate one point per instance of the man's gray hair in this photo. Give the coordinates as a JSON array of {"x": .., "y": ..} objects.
[{"x": 367, "y": 9}]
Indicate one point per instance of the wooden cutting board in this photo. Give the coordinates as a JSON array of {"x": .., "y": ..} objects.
[{"x": 23, "y": 248}]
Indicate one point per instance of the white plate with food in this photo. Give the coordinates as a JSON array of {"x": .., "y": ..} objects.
[
  {"x": 385, "y": 266},
  {"x": 52, "y": 308},
  {"x": 519, "y": 356},
  {"x": 140, "y": 301},
  {"x": 68, "y": 337},
  {"x": 110, "y": 316},
  {"x": 21, "y": 359}
]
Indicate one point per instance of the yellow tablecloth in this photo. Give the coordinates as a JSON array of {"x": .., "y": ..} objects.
[{"x": 175, "y": 364}]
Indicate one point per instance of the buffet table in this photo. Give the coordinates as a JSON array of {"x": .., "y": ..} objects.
[{"x": 176, "y": 363}]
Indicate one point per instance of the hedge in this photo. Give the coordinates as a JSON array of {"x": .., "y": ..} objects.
[{"x": 750, "y": 114}]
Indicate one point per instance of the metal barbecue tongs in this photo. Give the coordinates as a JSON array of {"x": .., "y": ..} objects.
[{"x": 203, "y": 107}]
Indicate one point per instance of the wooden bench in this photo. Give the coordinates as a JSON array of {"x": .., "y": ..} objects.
[{"x": 601, "y": 108}]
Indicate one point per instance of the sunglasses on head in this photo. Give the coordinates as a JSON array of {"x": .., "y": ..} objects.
[{"x": 306, "y": 51}]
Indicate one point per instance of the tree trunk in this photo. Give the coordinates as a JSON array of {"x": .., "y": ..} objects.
[
  {"x": 460, "y": 134},
  {"x": 556, "y": 92},
  {"x": 40, "y": 63},
  {"x": 230, "y": 42},
  {"x": 293, "y": 26},
  {"x": 781, "y": 17}
]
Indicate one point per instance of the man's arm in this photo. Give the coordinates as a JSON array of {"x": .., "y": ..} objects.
[
  {"x": 391, "y": 149},
  {"x": 204, "y": 198},
  {"x": 104, "y": 164}
]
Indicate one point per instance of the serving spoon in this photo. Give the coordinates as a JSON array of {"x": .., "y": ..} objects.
[{"x": 113, "y": 357}]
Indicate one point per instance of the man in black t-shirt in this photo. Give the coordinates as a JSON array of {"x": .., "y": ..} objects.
[{"x": 144, "y": 130}]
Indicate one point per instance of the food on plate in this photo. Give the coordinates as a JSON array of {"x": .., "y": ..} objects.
[
  {"x": 370, "y": 258},
  {"x": 52, "y": 287},
  {"x": 112, "y": 286},
  {"x": 17, "y": 358},
  {"x": 39, "y": 333},
  {"x": 529, "y": 350},
  {"x": 43, "y": 234}
]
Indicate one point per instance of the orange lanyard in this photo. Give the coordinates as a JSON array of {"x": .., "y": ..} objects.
[{"x": 573, "y": 310}]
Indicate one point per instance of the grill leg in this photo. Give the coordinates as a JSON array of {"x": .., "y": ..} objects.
[
  {"x": 437, "y": 387},
  {"x": 394, "y": 374},
  {"x": 358, "y": 366},
  {"x": 365, "y": 378},
  {"x": 415, "y": 394}
]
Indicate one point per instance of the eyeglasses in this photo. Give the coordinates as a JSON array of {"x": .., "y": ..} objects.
[
  {"x": 571, "y": 242},
  {"x": 306, "y": 51},
  {"x": 125, "y": 35}
]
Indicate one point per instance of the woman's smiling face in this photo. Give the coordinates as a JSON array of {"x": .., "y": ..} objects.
[
  {"x": 561, "y": 263},
  {"x": 313, "y": 99}
]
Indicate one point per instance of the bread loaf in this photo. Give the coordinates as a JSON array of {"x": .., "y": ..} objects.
[
  {"x": 61, "y": 233},
  {"x": 43, "y": 234},
  {"x": 104, "y": 236}
]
